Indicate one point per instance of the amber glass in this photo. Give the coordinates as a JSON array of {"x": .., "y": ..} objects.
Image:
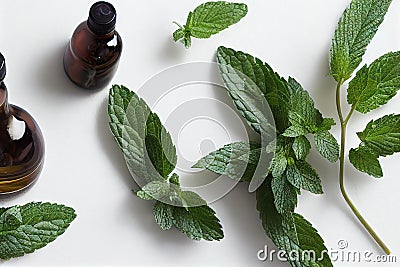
[
  {"x": 91, "y": 60},
  {"x": 22, "y": 156}
]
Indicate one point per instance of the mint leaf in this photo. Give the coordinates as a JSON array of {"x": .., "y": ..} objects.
[
  {"x": 355, "y": 30},
  {"x": 302, "y": 175},
  {"x": 208, "y": 19},
  {"x": 127, "y": 120},
  {"x": 279, "y": 163},
  {"x": 151, "y": 155},
  {"x": 285, "y": 194},
  {"x": 365, "y": 161},
  {"x": 246, "y": 94},
  {"x": 163, "y": 215},
  {"x": 301, "y": 147},
  {"x": 303, "y": 116},
  {"x": 159, "y": 146},
  {"x": 238, "y": 160},
  {"x": 382, "y": 136},
  {"x": 375, "y": 85},
  {"x": 327, "y": 145},
  {"x": 252, "y": 72},
  {"x": 198, "y": 223},
  {"x": 24, "y": 229},
  {"x": 290, "y": 231}
]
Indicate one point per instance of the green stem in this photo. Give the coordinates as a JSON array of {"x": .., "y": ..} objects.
[{"x": 343, "y": 125}]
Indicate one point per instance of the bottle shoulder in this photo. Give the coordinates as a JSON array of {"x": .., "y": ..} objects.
[{"x": 95, "y": 49}]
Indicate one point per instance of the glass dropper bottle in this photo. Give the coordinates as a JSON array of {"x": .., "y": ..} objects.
[{"x": 21, "y": 143}]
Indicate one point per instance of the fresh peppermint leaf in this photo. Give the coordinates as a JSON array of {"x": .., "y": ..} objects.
[
  {"x": 208, "y": 19},
  {"x": 198, "y": 223},
  {"x": 163, "y": 215},
  {"x": 127, "y": 120},
  {"x": 290, "y": 231},
  {"x": 303, "y": 116},
  {"x": 382, "y": 136},
  {"x": 279, "y": 163},
  {"x": 365, "y": 161},
  {"x": 151, "y": 155},
  {"x": 24, "y": 229},
  {"x": 285, "y": 194},
  {"x": 375, "y": 85},
  {"x": 159, "y": 146},
  {"x": 252, "y": 72},
  {"x": 327, "y": 145},
  {"x": 301, "y": 147},
  {"x": 238, "y": 160},
  {"x": 355, "y": 30},
  {"x": 302, "y": 175}
]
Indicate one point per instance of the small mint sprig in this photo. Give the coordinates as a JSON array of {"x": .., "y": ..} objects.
[
  {"x": 24, "y": 229},
  {"x": 372, "y": 87},
  {"x": 208, "y": 19}
]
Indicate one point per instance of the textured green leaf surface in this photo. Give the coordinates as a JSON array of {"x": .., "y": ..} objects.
[
  {"x": 208, "y": 19},
  {"x": 198, "y": 223},
  {"x": 238, "y": 160},
  {"x": 375, "y": 85},
  {"x": 382, "y": 136},
  {"x": 327, "y": 145},
  {"x": 302, "y": 175},
  {"x": 365, "y": 161},
  {"x": 151, "y": 155},
  {"x": 355, "y": 30},
  {"x": 163, "y": 215},
  {"x": 285, "y": 194},
  {"x": 159, "y": 146},
  {"x": 290, "y": 231},
  {"x": 24, "y": 229},
  {"x": 301, "y": 147},
  {"x": 235, "y": 68}
]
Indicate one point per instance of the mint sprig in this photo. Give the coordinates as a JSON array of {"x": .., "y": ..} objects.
[
  {"x": 372, "y": 87},
  {"x": 208, "y": 19},
  {"x": 151, "y": 156},
  {"x": 24, "y": 229},
  {"x": 249, "y": 82}
]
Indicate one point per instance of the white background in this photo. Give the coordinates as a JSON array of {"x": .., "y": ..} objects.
[{"x": 85, "y": 169}]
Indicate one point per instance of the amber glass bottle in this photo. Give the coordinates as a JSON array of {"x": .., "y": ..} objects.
[
  {"x": 21, "y": 143},
  {"x": 92, "y": 56}
]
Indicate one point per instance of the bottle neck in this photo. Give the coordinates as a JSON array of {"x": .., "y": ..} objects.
[{"x": 4, "y": 106}]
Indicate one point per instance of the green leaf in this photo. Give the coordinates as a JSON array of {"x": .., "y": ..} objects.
[
  {"x": 327, "y": 145},
  {"x": 285, "y": 194},
  {"x": 279, "y": 163},
  {"x": 238, "y": 160},
  {"x": 382, "y": 136},
  {"x": 355, "y": 30},
  {"x": 127, "y": 120},
  {"x": 302, "y": 175},
  {"x": 301, "y": 147},
  {"x": 24, "y": 229},
  {"x": 375, "y": 85},
  {"x": 290, "y": 231},
  {"x": 303, "y": 116},
  {"x": 210, "y": 18},
  {"x": 198, "y": 223},
  {"x": 163, "y": 215},
  {"x": 159, "y": 146},
  {"x": 365, "y": 161},
  {"x": 241, "y": 72}
]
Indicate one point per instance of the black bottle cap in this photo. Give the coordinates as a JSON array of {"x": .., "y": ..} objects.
[
  {"x": 2, "y": 67},
  {"x": 102, "y": 18}
]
